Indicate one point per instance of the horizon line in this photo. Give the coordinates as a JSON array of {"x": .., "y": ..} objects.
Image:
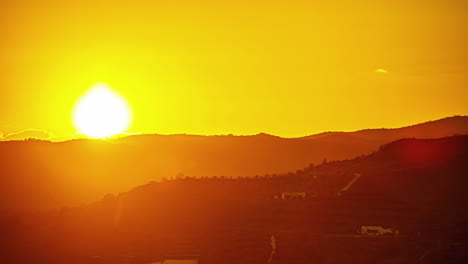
[{"x": 72, "y": 137}]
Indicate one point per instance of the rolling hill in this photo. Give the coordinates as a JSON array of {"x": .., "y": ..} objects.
[{"x": 42, "y": 174}]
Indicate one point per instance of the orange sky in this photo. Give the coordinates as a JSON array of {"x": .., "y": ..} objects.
[{"x": 288, "y": 68}]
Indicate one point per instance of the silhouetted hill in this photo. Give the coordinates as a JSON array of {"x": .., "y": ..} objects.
[
  {"x": 413, "y": 170},
  {"x": 41, "y": 174},
  {"x": 408, "y": 170},
  {"x": 416, "y": 185}
]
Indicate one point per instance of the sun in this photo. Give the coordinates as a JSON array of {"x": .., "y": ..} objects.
[{"x": 101, "y": 113}]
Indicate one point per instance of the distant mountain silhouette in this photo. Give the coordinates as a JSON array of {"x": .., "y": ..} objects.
[
  {"x": 41, "y": 174},
  {"x": 450, "y": 126}
]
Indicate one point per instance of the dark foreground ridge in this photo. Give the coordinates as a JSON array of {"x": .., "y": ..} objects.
[{"x": 405, "y": 203}]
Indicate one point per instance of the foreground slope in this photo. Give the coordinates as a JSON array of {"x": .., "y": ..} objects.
[{"x": 415, "y": 186}]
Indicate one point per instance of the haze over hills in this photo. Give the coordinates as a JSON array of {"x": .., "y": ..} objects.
[
  {"x": 77, "y": 171},
  {"x": 412, "y": 171}
]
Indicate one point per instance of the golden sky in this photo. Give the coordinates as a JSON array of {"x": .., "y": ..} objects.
[{"x": 288, "y": 68}]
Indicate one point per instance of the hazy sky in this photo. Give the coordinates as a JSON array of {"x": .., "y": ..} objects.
[{"x": 288, "y": 68}]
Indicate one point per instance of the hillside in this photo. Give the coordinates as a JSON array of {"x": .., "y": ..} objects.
[
  {"x": 416, "y": 186},
  {"x": 41, "y": 174},
  {"x": 420, "y": 172}
]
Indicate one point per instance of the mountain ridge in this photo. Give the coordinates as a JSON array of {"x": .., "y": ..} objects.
[{"x": 77, "y": 171}]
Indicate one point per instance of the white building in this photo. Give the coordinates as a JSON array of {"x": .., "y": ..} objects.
[
  {"x": 292, "y": 195},
  {"x": 378, "y": 231}
]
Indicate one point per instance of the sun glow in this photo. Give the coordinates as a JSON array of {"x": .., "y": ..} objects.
[{"x": 101, "y": 113}]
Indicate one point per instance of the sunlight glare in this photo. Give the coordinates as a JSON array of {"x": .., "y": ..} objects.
[{"x": 101, "y": 113}]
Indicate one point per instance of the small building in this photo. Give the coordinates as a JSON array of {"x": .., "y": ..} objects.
[
  {"x": 378, "y": 231},
  {"x": 291, "y": 196}
]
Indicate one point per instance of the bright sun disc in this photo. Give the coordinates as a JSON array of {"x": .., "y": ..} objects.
[{"x": 101, "y": 113}]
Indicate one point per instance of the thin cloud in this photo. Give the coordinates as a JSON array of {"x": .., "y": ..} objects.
[
  {"x": 26, "y": 134},
  {"x": 381, "y": 71}
]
